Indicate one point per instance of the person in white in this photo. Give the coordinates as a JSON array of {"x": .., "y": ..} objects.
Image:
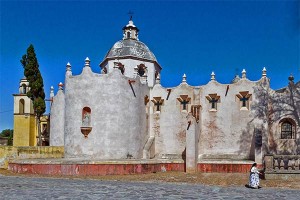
[{"x": 254, "y": 177}]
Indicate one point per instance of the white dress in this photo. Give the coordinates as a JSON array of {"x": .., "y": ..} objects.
[{"x": 254, "y": 177}]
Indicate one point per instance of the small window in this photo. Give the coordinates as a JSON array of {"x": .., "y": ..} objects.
[
  {"x": 141, "y": 69},
  {"x": 244, "y": 98},
  {"x": 213, "y": 99},
  {"x": 156, "y": 74},
  {"x": 21, "y": 106},
  {"x": 44, "y": 127},
  {"x": 157, "y": 101},
  {"x": 128, "y": 35},
  {"x": 120, "y": 66},
  {"x": 184, "y": 101},
  {"x": 104, "y": 70},
  {"x": 287, "y": 127}
]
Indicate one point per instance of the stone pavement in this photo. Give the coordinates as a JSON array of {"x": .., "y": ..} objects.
[{"x": 25, "y": 187}]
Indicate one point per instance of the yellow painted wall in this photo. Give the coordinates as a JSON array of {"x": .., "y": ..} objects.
[
  {"x": 33, "y": 132},
  {"x": 8, "y": 153},
  {"x": 25, "y": 130}
]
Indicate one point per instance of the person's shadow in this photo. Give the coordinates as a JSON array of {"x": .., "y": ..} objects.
[{"x": 248, "y": 186}]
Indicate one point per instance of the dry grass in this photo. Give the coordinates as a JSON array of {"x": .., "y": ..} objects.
[{"x": 218, "y": 179}]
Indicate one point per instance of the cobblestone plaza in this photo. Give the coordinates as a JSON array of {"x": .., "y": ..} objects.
[{"x": 18, "y": 187}]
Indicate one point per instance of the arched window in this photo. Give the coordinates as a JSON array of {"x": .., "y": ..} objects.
[
  {"x": 128, "y": 35},
  {"x": 86, "y": 116},
  {"x": 24, "y": 89},
  {"x": 120, "y": 66},
  {"x": 21, "y": 106},
  {"x": 287, "y": 129},
  {"x": 156, "y": 74},
  {"x": 104, "y": 70},
  {"x": 141, "y": 69}
]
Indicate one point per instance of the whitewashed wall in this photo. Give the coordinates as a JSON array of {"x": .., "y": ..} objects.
[{"x": 118, "y": 119}]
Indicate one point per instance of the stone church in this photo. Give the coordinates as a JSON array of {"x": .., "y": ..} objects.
[{"x": 123, "y": 112}]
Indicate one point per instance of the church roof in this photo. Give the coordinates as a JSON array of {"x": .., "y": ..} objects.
[{"x": 132, "y": 48}]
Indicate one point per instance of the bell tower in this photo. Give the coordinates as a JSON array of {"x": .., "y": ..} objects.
[{"x": 25, "y": 128}]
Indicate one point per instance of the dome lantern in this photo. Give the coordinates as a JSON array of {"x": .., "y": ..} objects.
[
  {"x": 130, "y": 31},
  {"x": 131, "y": 52}
]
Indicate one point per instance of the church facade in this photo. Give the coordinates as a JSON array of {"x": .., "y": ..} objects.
[{"x": 125, "y": 113}]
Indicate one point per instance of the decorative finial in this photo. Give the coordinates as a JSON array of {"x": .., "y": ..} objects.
[
  {"x": 157, "y": 80},
  {"x": 51, "y": 92},
  {"x": 87, "y": 62},
  {"x": 236, "y": 79},
  {"x": 68, "y": 70},
  {"x": 212, "y": 76},
  {"x": 60, "y": 86},
  {"x": 244, "y": 73},
  {"x": 291, "y": 78},
  {"x": 184, "y": 78},
  {"x": 68, "y": 67},
  {"x": 264, "y": 72}
]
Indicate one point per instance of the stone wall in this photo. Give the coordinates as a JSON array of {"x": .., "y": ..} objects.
[
  {"x": 117, "y": 120},
  {"x": 8, "y": 153},
  {"x": 228, "y": 131},
  {"x": 169, "y": 125},
  {"x": 57, "y": 119}
]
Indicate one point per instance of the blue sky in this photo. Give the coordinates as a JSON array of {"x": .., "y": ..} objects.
[{"x": 192, "y": 37}]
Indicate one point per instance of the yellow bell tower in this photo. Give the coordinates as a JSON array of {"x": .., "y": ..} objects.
[{"x": 25, "y": 123}]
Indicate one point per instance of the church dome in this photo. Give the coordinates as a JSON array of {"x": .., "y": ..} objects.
[{"x": 130, "y": 48}]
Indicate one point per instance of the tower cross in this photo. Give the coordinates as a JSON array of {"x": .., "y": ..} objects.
[{"x": 130, "y": 14}]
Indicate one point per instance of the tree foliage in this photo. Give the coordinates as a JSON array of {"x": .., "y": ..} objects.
[
  {"x": 6, "y": 132},
  {"x": 34, "y": 77}
]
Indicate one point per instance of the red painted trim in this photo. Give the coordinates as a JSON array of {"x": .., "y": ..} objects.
[
  {"x": 121, "y": 169},
  {"x": 224, "y": 168},
  {"x": 92, "y": 169}
]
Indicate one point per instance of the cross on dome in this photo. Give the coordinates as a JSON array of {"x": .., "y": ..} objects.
[
  {"x": 130, "y": 13},
  {"x": 130, "y": 31}
]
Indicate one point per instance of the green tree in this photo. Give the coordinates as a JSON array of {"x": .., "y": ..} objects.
[
  {"x": 6, "y": 132},
  {"x": 36, "y": 92}
]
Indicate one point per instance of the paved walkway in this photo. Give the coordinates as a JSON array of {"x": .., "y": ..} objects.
[{"x": 14, "y": 187}]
